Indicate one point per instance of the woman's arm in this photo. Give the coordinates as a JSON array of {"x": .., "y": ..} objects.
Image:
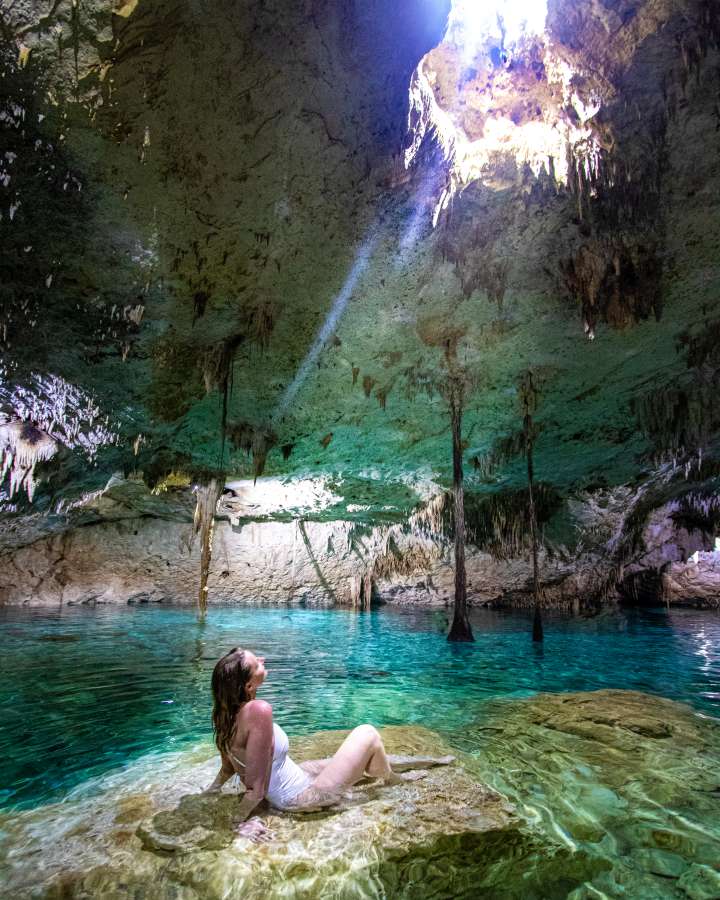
[
  {"x": 227, "y": 770},
  {"x": 258, "y": 755}
]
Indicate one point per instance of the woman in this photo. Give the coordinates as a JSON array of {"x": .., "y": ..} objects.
[{"x": 251, "y": 744}]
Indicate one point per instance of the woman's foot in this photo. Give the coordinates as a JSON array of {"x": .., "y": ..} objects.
[
  {"x": 405, "y": 763},
  {"x": 400, "y": 778}
]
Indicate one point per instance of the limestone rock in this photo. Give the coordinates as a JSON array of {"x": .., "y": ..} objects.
[
  {"x": 582, "y": 795},
  {"x": 199, "y": 822},
  {"x": 126, "y": 544},
  {"x": 701, "y": 883},
  {"x": 628, "y": 778},
  {"x": 446, "y": 835}
]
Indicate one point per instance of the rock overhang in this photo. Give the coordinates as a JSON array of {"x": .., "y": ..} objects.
[{"x": 232, "y": 210}]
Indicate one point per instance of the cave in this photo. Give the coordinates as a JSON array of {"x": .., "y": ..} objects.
[{"x": 366, "y": 355}]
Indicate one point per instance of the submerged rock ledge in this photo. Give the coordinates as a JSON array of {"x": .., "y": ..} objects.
[
  {"x": 146, "y": 835},
  {"x": 602, "y": 793}
]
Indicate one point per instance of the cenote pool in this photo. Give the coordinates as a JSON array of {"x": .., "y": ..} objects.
[
  {"x": 614, "y": 789},
  {"x": 83, "y": 690}
]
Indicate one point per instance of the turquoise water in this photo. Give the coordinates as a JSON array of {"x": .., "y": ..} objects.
[{"x": 83, "y": 691}]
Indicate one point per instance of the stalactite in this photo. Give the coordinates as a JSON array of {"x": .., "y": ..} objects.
[
  {"x": 355, "y": 588},
  {"x": 503, "y": 450},
  {"x": 367, "y": 588},
  {"x": 396, "y": 562},
  {"x": 257, "y": 442},
  {"x": 22, "y": 447},
  {"x": 207, "y": 496},
  {"x": 259, "y": 323},
  {"x": 681, "y": 419},
  {"x": 217, "y": 367},
  {"x": 430, "y": 518}
]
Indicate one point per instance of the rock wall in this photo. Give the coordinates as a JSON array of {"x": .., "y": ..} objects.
[
  {"x": 128, "y": 545},
  {"x": 327, "y": 563}
]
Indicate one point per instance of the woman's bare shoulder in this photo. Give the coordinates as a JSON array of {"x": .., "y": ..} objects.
[
  {"x": 252, "y": 715},
  {"x": 256, "y": 711}
]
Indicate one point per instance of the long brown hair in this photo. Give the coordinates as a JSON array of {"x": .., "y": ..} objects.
[{"x": 229, "y": 688}]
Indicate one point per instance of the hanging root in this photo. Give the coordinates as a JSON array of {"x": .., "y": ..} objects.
[
  {"x": 22, "y": 446},
  {"x": 206, "y": 503}
]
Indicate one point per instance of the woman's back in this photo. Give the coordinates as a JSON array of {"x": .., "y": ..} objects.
[{"x": 287, "y": 779}]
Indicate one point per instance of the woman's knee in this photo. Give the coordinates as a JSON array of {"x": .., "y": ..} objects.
[{"x": 368, "y": 733}]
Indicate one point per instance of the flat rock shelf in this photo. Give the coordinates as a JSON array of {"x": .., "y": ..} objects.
[
  {"x": 445, "y": 835},
  {"x": 584, "y": 795}
]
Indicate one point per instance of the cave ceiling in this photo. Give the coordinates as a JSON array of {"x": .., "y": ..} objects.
[{"x": 260, "y": 238}]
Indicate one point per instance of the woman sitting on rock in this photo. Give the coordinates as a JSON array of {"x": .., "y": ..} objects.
[{"x": 255, "y": 747}]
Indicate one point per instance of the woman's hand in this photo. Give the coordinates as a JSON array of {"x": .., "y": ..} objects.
[
  {"x": 255, "y": 830},
  {"x": 226, "y": 772}
]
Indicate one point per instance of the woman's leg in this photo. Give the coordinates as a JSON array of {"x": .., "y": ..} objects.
[
  {"x": 397, "y": 763},
  {"x": 314, "y": 766},
  {"x": 361, "y": 752}
]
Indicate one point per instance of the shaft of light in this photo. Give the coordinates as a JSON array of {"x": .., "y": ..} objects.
[{"x": 332, "y": 319}]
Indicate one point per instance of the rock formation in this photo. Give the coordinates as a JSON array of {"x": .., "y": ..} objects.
[
  {"x": 580, "y": 763},
  {"x": 235, "y": 242}
]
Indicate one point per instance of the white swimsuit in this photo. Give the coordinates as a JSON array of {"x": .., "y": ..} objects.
[{"x": 287, "y": 779}]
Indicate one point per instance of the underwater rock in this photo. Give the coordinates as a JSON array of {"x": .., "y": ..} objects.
[
  {"x": 199, "y": 822},
  {"x": 627, "y": 777},
  {"x": 701, "y": 883},
  {"x": 659, "y": 862}
]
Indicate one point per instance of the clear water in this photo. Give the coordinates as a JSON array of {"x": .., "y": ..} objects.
[{"x": 85, "y": 691}]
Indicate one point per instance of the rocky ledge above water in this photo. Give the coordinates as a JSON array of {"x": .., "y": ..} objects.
[{"x": 128, "y": 544}]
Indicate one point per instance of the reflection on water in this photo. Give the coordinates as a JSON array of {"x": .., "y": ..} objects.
[{"x": 82, "y": 691}]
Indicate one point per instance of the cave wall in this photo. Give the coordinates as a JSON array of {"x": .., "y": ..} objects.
[
  {"x": 129, "y": 545},
  {"x": 193, "y": 186}
]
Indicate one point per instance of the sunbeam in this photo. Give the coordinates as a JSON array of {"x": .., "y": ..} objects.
[{"x": 332, "y": 319}]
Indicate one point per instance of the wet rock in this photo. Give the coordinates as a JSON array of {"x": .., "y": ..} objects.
[
  {"x": 701, "y": 883},
  {"x": 659, "y": 862},
  {"x": 410, "y": 833},
  {"x": 446, "y": 835},
  {"x": 198, "y": 823},
  {"x": 629, "y": 778}
]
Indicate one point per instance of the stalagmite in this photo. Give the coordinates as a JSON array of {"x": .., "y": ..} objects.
[{"x": 207, "y": 496}]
